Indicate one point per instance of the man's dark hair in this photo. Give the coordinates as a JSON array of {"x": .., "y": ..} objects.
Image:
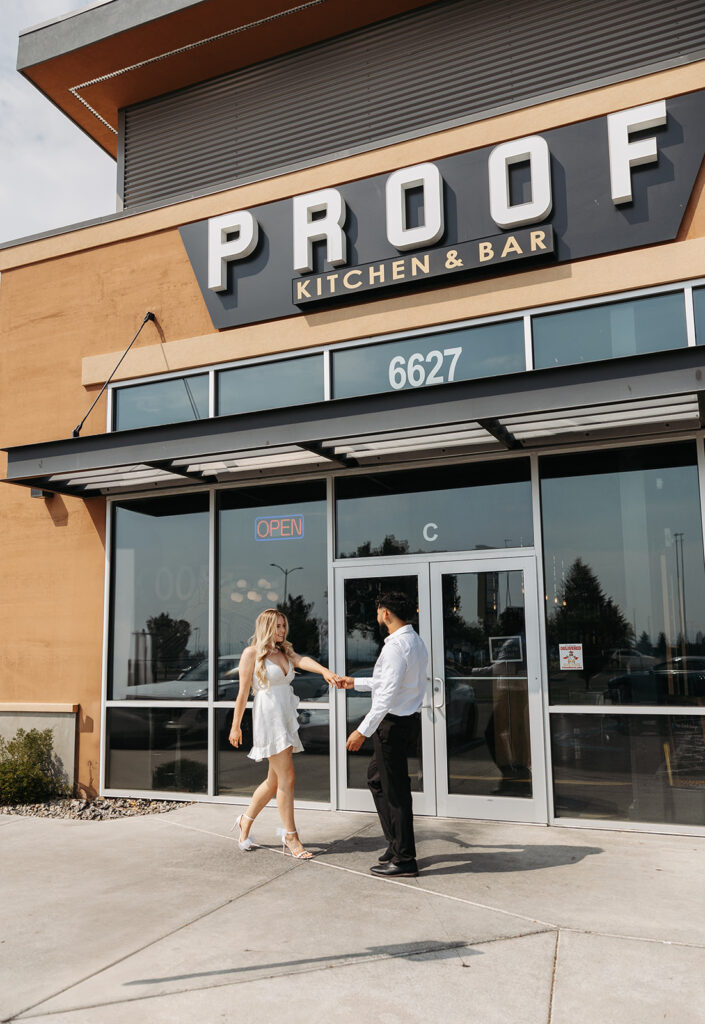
[{"x": 398, "y": 604}]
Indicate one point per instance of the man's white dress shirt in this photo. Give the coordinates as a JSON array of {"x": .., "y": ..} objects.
[{"x": 398, "y": 681}]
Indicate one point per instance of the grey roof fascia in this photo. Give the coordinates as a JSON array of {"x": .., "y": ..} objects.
[{"x": 90, "y": 24}]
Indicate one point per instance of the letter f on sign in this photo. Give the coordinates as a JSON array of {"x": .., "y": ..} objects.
[{"x": 625, "y": 154}]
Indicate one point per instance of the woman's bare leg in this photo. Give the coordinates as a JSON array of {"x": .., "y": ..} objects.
[
  {"x": 265, "y": 792},
  {"x": 283, "y": 765}
]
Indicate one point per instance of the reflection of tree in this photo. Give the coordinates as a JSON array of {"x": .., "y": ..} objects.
[
  {"x": 661, "y": 646},
  {"x": 304, "y": 628},
  {"x": 389, "y": 546},
  {"x": 361, "y": 603},
  {"x": 643, "y": 644},
  {"x": 459, "y": 636},
  {"x": 170, "y": 639},
  {"x": 588, "y": 617}
]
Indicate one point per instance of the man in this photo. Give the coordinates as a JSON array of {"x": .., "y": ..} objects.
[{"x": 398, "y": 685}]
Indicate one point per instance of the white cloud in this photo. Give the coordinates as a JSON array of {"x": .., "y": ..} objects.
[{"x": 51, "y": 174}]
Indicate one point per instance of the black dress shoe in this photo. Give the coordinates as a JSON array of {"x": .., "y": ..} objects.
[
  {"x": 385, "y": 858},
  {"x": 406, "y": 870}
]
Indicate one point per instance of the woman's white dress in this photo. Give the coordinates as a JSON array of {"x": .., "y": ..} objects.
[{"x": 275, "y": 725}]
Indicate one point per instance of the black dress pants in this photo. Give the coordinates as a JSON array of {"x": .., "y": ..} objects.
[{"x": 389, "y": 783}]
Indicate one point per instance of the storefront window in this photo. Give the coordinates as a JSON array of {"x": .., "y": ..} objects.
[
  {"x": 699, "y": 309},
  {"x": 162, "y": 401},
  {"x": 441, "y": 358},
  {"x": 288, "y": 382},
  {"x": 454, "y": 508},
  {"x": 646, "y": 768},
  {"x": 625, "y": 584},
  {"x": 238, "y": 775},
  {"x": 157, "y": 749},
  {"x": 607, "y": 331},
  {"x": 272, "y": 554},
  {"x": 159, "y": 623}
]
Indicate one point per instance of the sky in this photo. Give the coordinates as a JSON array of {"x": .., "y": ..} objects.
[{"x": 51, "y": 174}]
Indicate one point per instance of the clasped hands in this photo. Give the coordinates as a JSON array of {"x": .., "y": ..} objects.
[{"x": 339, "y": 682}]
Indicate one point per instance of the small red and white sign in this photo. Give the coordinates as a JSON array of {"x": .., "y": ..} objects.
[{"x": 570, "y": 657}]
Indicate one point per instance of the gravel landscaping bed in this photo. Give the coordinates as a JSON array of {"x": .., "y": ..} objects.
[{"x": 99, "y": 809}]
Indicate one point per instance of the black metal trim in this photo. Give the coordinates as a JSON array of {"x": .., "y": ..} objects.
[{"x": 625, "y": 379}]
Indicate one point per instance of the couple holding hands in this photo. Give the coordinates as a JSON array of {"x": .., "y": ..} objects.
[{"x": 397, "y": 688}]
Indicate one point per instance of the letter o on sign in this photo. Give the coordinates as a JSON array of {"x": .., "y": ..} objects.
[{"x": 430, "y": 532}]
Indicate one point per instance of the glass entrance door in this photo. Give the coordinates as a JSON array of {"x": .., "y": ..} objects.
[
  {"x": 480, "y": 749},
  {"x": 359, "y": 642},
  {"x": 486, "y": 690}
]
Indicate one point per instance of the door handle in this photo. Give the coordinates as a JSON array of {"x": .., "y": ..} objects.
[
  {"x": 439, "y": 692},
  {"x": 428, "y": 696}
]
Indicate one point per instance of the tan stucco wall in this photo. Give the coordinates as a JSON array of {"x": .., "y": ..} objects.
[{"x": 70, "y": 304}]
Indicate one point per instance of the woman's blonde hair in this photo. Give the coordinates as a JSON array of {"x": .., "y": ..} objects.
[{"x": 265, "y": 638}]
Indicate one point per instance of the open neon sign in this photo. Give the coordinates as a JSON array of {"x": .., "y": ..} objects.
[{"x": 289, "y": 527}]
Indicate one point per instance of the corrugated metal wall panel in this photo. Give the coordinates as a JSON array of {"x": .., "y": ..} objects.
[{"x": 447, "y": 63}]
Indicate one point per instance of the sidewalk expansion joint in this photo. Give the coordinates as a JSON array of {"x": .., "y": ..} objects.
[
  {"x": 553, "y": 978},
  {"x": 140, "y": 949},
  {"x": 361, "y": 960},
  {"x": 414, "y": 885}
]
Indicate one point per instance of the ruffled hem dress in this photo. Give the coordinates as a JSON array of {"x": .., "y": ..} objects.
[{"x": 275, "y": 725}]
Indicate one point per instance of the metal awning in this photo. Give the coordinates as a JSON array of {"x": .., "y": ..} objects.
[{"x": 634, "y": 396}]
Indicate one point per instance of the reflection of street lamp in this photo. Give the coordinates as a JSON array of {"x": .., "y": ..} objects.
[
  {"x": 286, "y": 574},
  {"x": 680, "y": 583}
]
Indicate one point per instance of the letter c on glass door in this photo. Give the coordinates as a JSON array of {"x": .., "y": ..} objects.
[{"x": 430, "y": 532}]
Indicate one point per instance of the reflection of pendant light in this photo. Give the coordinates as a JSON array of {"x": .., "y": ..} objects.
[
  {"x": 272, "y": 595},
  {"x": 242, "y": 584},
  {"x": 264, "y": 584},
  {"x": 253, "y": 595},
  {"x": 236, "y": 597}
]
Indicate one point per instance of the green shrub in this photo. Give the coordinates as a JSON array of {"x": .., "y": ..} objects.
[{"x": 30, "y": 771}]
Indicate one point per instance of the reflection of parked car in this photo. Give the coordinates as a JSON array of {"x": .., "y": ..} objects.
[
  {"x": 629, "y": 659},
  {"x": 681, "y": 677},
  {"x": 626, "y": 672},
  {"x": 461, "y": 708},
  {"x": 192, "y": 683},
  {"x": 307, "y": 685}
]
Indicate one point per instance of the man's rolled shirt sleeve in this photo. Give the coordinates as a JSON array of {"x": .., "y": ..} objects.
[{"x": 382, "y": 686}]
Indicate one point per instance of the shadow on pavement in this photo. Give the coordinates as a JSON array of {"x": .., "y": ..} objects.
[
  {"x": 431, "y": 949},
  {"x": 505, "y": 858}
]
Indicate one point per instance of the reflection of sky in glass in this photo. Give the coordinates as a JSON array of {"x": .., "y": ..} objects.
[
  {"x": 484, "y": 352},
  {"x": 611, "y": 330},
  {"x": 160, "y": 567},
  {"x": 624, "y": 527},
  {"x": 249, "y": 583},
  {"x": 496, "y": 515},
  {"x": 270, "y": 385},
  {"x": 164, "y": 401}
]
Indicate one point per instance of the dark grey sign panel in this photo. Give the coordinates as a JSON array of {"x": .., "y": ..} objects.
[{"x": 584, "y": 219}]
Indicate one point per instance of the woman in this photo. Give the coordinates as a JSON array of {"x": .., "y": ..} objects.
[{"x": 267, "y": 667}]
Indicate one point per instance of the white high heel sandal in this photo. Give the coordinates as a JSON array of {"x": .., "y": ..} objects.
[
  {"x": 244, "y": 844},
  {"x": 301, "y": 855}
]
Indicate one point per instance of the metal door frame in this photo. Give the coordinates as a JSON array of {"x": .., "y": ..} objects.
[
  {"x": 358, "y": 799},
  {"x": 498, "y": 808}
]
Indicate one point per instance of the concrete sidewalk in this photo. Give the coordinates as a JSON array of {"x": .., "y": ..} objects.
[{"x": 162, "y": 919}]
